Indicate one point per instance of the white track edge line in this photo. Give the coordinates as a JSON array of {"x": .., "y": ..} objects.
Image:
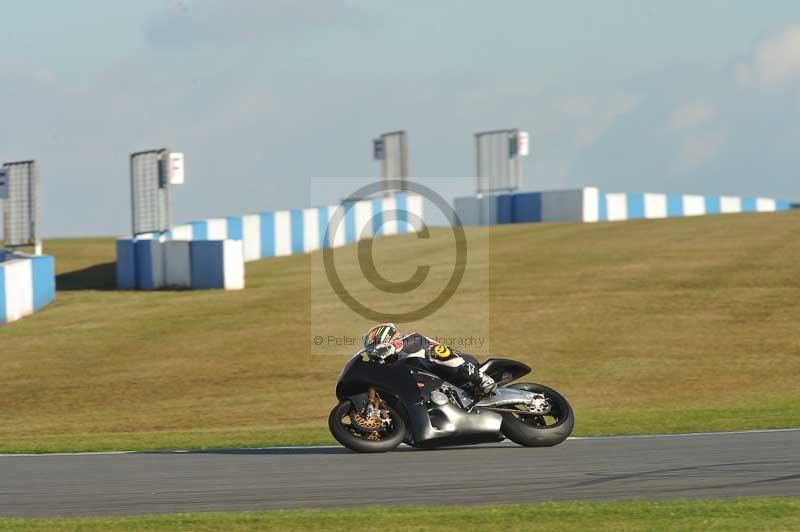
[
  {"x": 304, "y": 447},
  {"x": 682, "y": 434}
]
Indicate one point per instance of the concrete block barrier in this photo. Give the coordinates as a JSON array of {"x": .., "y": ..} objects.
[{"x": 27, "y": 284}]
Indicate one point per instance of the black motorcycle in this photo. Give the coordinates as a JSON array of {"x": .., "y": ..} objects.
[{"x": 384, "y": 401}]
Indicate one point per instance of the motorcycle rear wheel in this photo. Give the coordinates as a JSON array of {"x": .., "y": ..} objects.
[
  {"x": 537, "y": 431},
  {"x": 356, "y": 442}
]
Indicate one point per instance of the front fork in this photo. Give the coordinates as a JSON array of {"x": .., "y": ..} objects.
[
  {"x": 372, "y": 395},
  {"x": 373, "y": 402}
]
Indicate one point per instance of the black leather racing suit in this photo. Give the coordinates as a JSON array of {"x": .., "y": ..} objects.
[{"x": 453, "y": 366}]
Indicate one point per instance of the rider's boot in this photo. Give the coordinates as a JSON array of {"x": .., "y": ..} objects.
[{"x": 482, "y": 384}]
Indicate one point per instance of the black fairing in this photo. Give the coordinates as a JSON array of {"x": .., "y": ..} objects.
[
  {"x": 395, "y": 379},
  {"x": 407, "y": 387},
  {"x": 503, "y": 370}
]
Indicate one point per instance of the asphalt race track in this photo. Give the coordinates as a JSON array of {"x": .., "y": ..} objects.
[{"x": 653, "y": 467}]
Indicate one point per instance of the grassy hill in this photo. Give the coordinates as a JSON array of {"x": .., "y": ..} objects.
[{"x": 649, "y": 326}]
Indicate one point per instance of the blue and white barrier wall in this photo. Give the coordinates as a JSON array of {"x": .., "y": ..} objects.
[
  {"x": 155, "y": 263},
  {"x": 172, "y": 260},
  {"x": 590, "y": 205},
  {"x": 625, "y": 206},
  {"x": 27, "y": 284}
]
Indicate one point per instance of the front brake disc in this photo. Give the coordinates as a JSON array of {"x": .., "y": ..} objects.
[{"x": 367, "y": 425}]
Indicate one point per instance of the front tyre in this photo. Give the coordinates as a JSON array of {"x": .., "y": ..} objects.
[
  {"x": 533, "y": 430},
  {"x": 349, "y": 430}
]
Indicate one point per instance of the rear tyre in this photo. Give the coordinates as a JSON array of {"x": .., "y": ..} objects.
[
  {"x": 536, "y": 430},
  {"x": 346, "y": 433}
]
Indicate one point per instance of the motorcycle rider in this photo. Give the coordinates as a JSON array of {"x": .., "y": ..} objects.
[{"x": 458, "y": 368}]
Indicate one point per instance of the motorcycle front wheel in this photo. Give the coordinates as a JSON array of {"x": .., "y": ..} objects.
[
  {"x": 349, "y": 430},
  {"x": 531, "y": 430}
]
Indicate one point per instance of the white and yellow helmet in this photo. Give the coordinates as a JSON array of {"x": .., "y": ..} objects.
[{"x": 380, "y": 334}]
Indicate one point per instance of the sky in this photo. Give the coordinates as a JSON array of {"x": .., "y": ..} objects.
[{"x": 265, "y": 97}]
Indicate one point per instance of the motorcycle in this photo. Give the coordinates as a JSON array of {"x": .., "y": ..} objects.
[{"x": 385, "y": 401}]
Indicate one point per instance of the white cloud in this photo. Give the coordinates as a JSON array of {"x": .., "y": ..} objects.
[
  {"x": 561, "y": 119},
  {"x": 696, "y": 143},
  {"x": 691, "y": 115},
  {"x": 184, "y": 24},
  {"x": 261, "y": 126},
  {"x": 600, "y": 115},
  {"x": 696, "y": 149},
  {"x": 707, "y": 128},
  {"x": 774, "y": 60}
]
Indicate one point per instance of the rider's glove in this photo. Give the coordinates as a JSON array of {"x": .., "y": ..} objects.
[
  {"x": 470, "y": 372},
  {"x": 487, "y": 384},
  {"x": 383, "y": 351}
]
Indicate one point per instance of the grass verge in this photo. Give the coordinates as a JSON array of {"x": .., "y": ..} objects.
[
  {"x": 774, "y": 514},
  {"x": 647, "y": 326}
]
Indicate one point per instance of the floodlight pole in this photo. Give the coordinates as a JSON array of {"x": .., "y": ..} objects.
[
  {"x": 151, "y": 186},
  {"x": 167, "y": 188},
  {"x": 35, "y": 218},
  {"x": 30, "y": 235},
  {"x": 133, "y": 194},
  {"x": 381, "y": 152},
  {"x": 517, "y": 162},
  {"x": 478, "y": 191},
  {"x": 514, "y": 146}
]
